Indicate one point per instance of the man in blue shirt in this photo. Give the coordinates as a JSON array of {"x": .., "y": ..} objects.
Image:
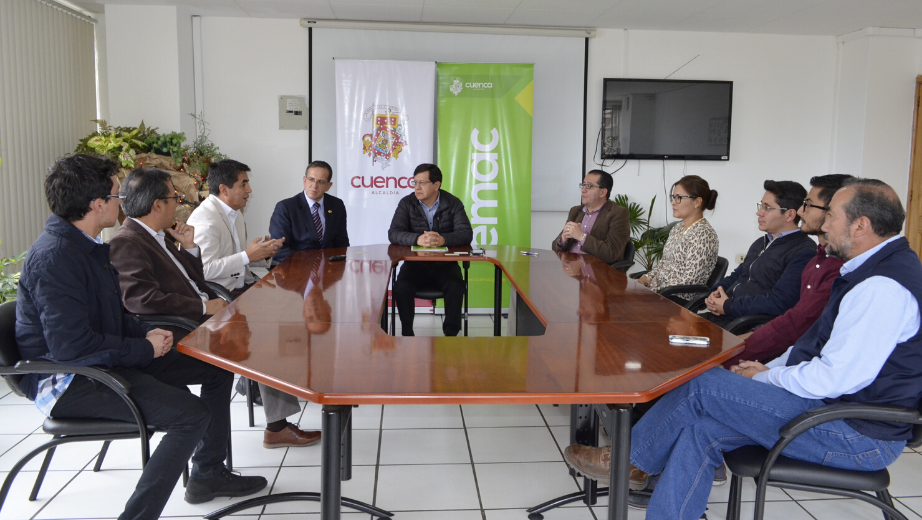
[
  {"x": 69, "y": 311},
  {"x": 874, "y": 303}
]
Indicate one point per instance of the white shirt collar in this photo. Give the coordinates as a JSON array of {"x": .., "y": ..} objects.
[
  {"x": 311, "y": 202},
  {"x": 155, "y": 234},
  {"x": 230, "y": 212},
  {"x": 856, "y": 262}
]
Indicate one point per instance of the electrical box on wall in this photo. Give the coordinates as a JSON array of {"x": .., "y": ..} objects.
[{"x": 292, "y": 113}]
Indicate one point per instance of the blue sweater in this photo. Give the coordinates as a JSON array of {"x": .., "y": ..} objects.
[
  {"x": 900, "y": 380},
  {"x": 69, "y": 306},
  {"x": 768, "y": 280}
]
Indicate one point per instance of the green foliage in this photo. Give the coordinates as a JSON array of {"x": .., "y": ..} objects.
[
  {"x": 648, "y": 241},
  {"x": 170, "y": 144},
  {"x": 202, "y": 152},
  {"x": 9, "y": 282},
  {"x": 120, "y": 143}
]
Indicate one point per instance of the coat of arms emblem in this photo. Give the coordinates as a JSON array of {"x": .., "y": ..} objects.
[
  {"x": 456, "y": 86},
  {"x": 387, "y": 138}
]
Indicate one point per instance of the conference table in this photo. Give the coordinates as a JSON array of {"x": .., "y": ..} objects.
[{"x": 579, "y": 333}]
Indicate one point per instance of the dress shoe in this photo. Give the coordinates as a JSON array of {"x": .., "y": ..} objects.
[
  {"x": 290, "y": 437},
  {"x": 595, "y": 463},
  {"x": 224, "y": 484}
]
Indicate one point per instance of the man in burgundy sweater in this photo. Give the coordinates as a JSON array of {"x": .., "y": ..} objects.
[{"x": 771, "y": 340}]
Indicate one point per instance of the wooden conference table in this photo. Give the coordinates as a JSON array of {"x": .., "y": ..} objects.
[{"x": 587, "y": 335}]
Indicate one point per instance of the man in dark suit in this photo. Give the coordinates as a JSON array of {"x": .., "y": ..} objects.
[
  {"x": 598, "y": 226},
  {"x": 430, "y": 217},
  {"x": 311, "y": 219}
]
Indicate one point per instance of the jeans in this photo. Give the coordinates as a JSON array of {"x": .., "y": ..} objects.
[
  {"x": 443, "y": 276},
  {"x": 199, "y": 424},
  {"x": 684, "y": 434}
]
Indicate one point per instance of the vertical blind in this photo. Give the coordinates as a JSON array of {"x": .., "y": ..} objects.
[{"x": 47, "y": 104}]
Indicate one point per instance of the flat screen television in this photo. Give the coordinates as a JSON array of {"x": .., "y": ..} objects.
[{"x": 666, "y": 119}]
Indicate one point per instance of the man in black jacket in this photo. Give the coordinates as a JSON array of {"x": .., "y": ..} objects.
[
  {"x": 430, "y": 217},
  {"x": 69, "y": 311},
  {"x": 768, "y": 280}
]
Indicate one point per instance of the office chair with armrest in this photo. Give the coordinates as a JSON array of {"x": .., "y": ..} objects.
[
  {"x": 627, "y": 261},
  {"x": 220, "y": 290},
  {"x": 432, "y": 295},
  {"x": 784, "y": 472},
  {"x": 64, "y": 431},
  {"x": 672, "y": 292}
]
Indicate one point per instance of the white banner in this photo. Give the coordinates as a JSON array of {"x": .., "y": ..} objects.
[{"x": 385, "y": 114}]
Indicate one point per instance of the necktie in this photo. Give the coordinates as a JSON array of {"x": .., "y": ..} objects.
[{"x": 317, "y": 223}]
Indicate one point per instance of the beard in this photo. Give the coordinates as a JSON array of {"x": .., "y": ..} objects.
[{"x": 842, "y": 251}]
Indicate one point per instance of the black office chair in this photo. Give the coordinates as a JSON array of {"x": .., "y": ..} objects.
[
  {"x": 784, "y": 472},
  {"x": 64, "y": 431},
  {"x": 220, "y": 290},
  {"x": 431, "y": 295},
  {"x": 672, "y": 292},
  {"x": 627, "y": 261}
]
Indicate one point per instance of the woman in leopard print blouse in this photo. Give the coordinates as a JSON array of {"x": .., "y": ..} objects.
[{"x": 690, "y": 252}]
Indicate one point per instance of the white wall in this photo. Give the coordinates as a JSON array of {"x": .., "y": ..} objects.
[
  {"x": 246, "y": 65},
  {"x": 874, "y": 104},
  {"x": 149, "y": 67},
  {"x": 781, "y": 125}
]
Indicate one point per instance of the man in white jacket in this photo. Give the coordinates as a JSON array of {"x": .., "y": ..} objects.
[{"x": 220, "y": 233}]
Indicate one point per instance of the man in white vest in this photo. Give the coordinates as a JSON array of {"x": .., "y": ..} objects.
[{"x": 220, "y": 233}]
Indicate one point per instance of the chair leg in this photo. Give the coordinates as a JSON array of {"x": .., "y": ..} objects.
[
  {"x": 250, "y": 405},
  {"x": 185, "y": 475},
  {"x": 101, "y": 456},
  {"x": 41, "y": 473},
  {"x": 884, "y": 496},
  {"x": 736, "y": 497},
  {"x": 230, "y": 453},
  {"x": 465, "y": 299}
]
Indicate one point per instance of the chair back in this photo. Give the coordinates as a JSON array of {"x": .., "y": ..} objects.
[
  {"x": 720, "y": 270},
  {"x": 629, "y": 251},
  {"x": 9, "y": 352},
  {"x": 916, "y": 439}
]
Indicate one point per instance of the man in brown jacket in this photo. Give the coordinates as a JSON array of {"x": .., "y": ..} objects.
[
  {"x": 598, "y": 227},
  {"x": 156, "y": 277}
]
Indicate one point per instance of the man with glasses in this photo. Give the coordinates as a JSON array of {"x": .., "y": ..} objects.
[
  {"x": 156, "y": 277},
  {"x": 69, "y": 311},
  {"x": 772, "y": 339},
  {"x": 312, "y": 219},
  {"x": 430, "y": 217},
  {"x": 768, "y": 280},
  {"x": 598, "y": 226}
]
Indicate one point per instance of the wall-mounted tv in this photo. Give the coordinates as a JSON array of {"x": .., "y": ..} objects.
[{"x": 666, "y": 119}]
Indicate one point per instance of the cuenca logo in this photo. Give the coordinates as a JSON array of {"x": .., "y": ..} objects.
[
  {"x": 387, "y": 138},
  {"x": 456, "y": 86}
]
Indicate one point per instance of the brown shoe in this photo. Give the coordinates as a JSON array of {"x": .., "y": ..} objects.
[
  {"x": 595, "y": 463},
  {"x": 290, "y": 437}
]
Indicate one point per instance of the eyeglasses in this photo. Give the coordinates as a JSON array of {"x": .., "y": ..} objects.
[
  {"x": 116, "y": 197},
  {"x": 413, "y": 183},
  {"x": 766, "y": 207},
  {"x": 318, "y": 182},
  {"x": 807, "y": 204},
  {"x": 678, "y": 198},
  {"x": 587, "y": 186},
  {"x": 180, "y": 198}
]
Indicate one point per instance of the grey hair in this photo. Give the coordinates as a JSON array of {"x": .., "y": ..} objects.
[
  {"x": 141, "y": 189},
  {"x": 876, "y": 200}
]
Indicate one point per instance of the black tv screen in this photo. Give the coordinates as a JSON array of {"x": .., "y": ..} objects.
[{"x": 666, "y": 119}]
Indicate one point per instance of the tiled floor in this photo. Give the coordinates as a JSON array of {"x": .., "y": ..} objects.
[{"x": 421, "y": 462}]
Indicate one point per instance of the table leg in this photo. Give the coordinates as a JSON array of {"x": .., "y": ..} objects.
[
  {"x": 331, "y": 461},
  {"x": 497, "y": 301},
  {"x": 617, "y": 419}
]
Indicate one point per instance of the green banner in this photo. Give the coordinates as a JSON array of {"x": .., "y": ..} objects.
[{"x": 484, "y": 151}]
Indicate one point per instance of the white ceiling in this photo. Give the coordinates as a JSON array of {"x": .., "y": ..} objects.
[{"x": 816, "y": 17}]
